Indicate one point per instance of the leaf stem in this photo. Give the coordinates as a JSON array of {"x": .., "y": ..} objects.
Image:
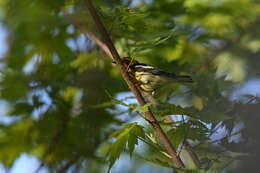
[{"x": 186, "y": 144}]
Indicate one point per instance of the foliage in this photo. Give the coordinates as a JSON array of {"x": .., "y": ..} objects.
[
  {"x": 129, "y": 134},
  {"x": 55, "y": 80}
]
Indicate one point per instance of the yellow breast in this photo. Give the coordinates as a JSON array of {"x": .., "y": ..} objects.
[{"x": 148, "y": 81}]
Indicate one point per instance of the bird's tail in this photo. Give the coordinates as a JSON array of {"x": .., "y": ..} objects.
[
  {"x": 183, "y": 78},
  {"x": 179, "y": 78}
]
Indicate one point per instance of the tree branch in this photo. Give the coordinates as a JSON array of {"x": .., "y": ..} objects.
[
  {"x": 90, "y": 35},
  {"x": 149, "y": 115},
  {"x": 188, "y": 147},
  {"x": 186, "y": 144},
  {"x": 68, "y": 164}
]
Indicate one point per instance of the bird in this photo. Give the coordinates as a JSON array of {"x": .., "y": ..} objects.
[{"x": 149, "y": 78}]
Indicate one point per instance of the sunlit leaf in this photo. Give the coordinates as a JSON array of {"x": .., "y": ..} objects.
[
  {"x": 143, "y": 109},
  {"x": 127, "y": 135}
]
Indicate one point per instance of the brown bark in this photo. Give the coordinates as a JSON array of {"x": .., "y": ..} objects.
[{"x": 187, "y": 145}]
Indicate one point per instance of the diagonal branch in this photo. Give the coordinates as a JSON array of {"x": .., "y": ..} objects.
[
  {"x": 90, "y": 35},
  {"x": 187, "y": 145},
  {"x": 149, "y": 115}
]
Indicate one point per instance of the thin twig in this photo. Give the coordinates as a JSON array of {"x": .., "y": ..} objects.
[
  {"x": 231, "y": 135},
  {"x": 90, "y": 35},
  {"x": 149, "y": 115},
  {"x": 149, "y": 144},
  {"x": 68, "y": 164},
  {"x": 217, "y": 140},
  {"x": 185, "y": 136},
  {"x": 218, "y": 126},
  {"x": 187, "y": 145}
]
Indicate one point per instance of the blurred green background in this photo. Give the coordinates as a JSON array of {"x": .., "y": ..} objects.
[{"x": 58, "y": 89}]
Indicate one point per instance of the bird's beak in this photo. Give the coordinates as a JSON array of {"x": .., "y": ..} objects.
[{"x": 113, "y": 63}]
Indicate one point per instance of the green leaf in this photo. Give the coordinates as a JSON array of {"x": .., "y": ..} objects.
[
  {"x": 151, "y": 43},
  {"x": 142, "y": 109},
  {"x": 104, "y": 105},
  {"x": 158, "y": 160},
  {"x": 130, "y": 20},
  {"x": 161, "y": 160},
  {"x": 171, "y": 109},
  {"x": 127, "y": 135},
  {"x": 192, "y": 129},
  {"x": 214, "y": 113},
  {"x": 84, "y": 61},
  {"x": 13, "y": 141},
  {"x": 132, "y": 141},
  {"x": 12, "y": 92},
  {"x": 115, "y": 101},
  {"x": 177, "y": 135}
]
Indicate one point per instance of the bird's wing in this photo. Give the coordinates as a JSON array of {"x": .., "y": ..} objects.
[
  {"x": 151, "y": 69},
  {"x": 163, "y": 74}
]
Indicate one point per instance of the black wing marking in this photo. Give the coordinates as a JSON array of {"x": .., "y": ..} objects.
[
  {"x": 155, "y": 71},
  {"x": 151, "y": 69}
]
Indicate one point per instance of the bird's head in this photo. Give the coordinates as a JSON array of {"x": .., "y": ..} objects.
[{"x": 127, "y": 61}]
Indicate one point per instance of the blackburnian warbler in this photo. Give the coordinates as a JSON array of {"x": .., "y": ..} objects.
[{"x": 149, "y": 78}]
